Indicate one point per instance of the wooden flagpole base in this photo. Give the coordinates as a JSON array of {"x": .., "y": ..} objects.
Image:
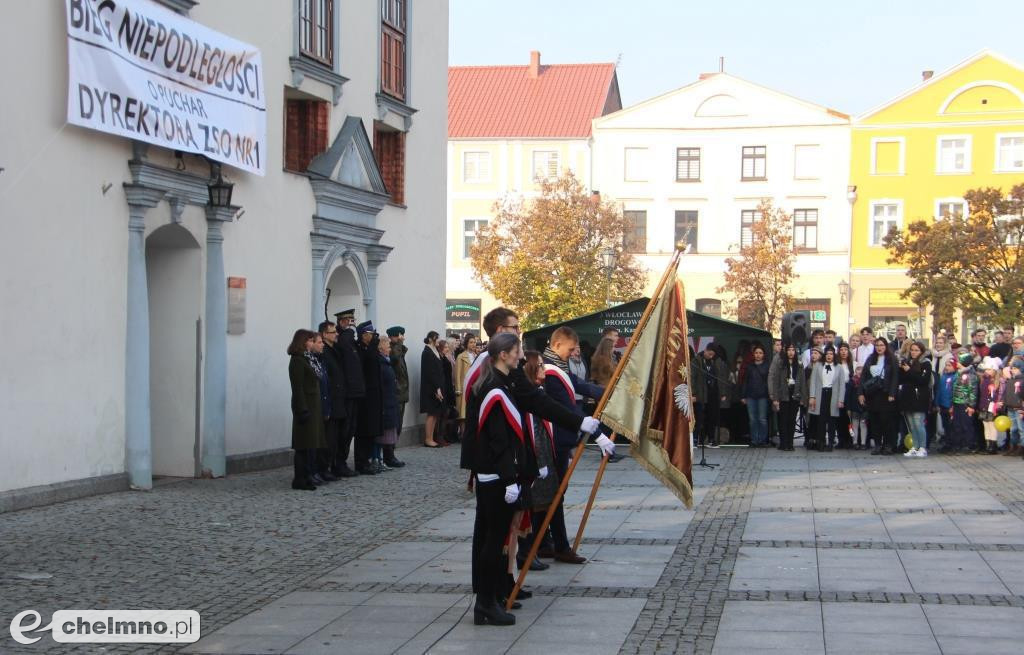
[{"x": 590, "y": 501}]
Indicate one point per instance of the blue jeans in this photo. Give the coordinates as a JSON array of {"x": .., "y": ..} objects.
[
  {"x": 915, "y": 421},
  {"x": 1018, "y": 428},
  {"x": 757, "y": 411}
]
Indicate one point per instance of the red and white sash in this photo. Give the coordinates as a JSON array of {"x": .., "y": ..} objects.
[
  {"x": 472, "y": 374},
  {"x": 563, "y": 377},
  {"x": 497, "y": 397}
]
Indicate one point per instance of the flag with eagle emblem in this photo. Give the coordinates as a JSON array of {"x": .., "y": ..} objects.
[{"x": 651, "y": 404}]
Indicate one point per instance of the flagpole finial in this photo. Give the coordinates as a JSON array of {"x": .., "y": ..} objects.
[{"x": 682, "y": 247}]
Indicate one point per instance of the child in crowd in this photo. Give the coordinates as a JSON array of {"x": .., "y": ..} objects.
[
  {"x": 944, "y": 401},
  {"x": 858, "y": 421},
  {"x": 1012, "y": 400},
  {"x": 965, "y": 396},
  {"x": 990, "y": 400}
]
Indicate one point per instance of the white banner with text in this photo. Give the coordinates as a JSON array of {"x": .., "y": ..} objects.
[{"x": 139, "y": 70}]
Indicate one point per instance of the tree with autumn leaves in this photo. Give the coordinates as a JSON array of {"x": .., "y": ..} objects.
[
  {"x": 973, "y": 263},
  {"x": 759, "y": 278},
  {"x": 542, "y": 257}
]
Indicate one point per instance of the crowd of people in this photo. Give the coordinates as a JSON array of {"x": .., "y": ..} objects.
[
  {"x": 891, "y": 397},
  {"x": 349, "y": 386}
]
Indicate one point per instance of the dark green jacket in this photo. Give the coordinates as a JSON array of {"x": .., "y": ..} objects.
[
  {"x": 307, "y": 415},
  {"x": 398, "y": 351}
]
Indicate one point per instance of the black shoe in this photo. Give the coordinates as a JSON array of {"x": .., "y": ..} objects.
[
  {"x": 301, "y": 485},
  {"x": 713, "y": 444},
  {"x": 535, "y": 565},
  {"x": 516, "y": 605},
  {"x": 366, "y": 470},
  {"x": 491, "y": 613},
  {"x": 329, "y": 477},
  {"x": 524, "y": 593},
  {"x": 616, "y": 458},
  {"x": 394, "y": 463},
  {"x": 317, "y": 480},
  {"x": 345, "y": 472},
  {"x": 877, "y": 451}
]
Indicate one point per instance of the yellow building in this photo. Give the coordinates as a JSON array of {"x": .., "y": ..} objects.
[
  {"x": 509, "y": 129},
  {"x": 913, "y": 158}
]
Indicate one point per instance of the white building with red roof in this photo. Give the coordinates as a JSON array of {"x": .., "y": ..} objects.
[{"x": 509, "y": 128}]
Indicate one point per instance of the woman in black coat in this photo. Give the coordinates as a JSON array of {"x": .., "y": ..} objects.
[
  {"x": 879, "y": 383},
  {"x": 431, "y": 388},
  {"x": 915, "y": 396},
  {"x": 307, "y": 409}
]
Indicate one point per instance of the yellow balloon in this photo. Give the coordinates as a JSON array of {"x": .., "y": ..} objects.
[
  {"x": 908, "y": 441},
  {"x": 1003, "y": 423}
]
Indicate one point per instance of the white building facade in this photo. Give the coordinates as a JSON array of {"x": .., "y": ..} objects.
[
  {"x": 145, "y": 328},
  {"x": 695, "y": 163}
]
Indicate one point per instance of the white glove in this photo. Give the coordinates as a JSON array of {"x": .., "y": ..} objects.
[
  {"x": 511, "y": 493},
  {"x": 590, "y": 425},
  {"x": 607, "y": 445},
  {"x": 543, "y": 473}
]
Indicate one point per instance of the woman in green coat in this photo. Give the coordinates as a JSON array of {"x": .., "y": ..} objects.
[{"x": 307, "y": 413}]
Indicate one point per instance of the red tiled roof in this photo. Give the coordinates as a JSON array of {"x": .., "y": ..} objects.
[{"x": 503, "y": 101}]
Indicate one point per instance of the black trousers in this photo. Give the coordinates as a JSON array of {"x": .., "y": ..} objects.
[
  {"x": 882, "y": 426},
  {"x": 826, "y": 428},
  {"x": 490, "y": 528},
  {"x": 401, "y": 417},
  {"x": 843, "y": 435},
  {"x": 788, "y": 411},
  {"x": 304, "y": 464},
  {"x": 348, "y": 431},
  {"x": 709, "y": 416},
  {"x": 327, "y": 459},
  {"x": 557, "y": 526}
]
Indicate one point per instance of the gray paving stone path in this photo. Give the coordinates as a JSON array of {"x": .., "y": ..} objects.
[{"x": 794, "y": 552}]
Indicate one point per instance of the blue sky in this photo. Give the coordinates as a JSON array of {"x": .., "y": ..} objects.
[{"x": 850, "y": 56}]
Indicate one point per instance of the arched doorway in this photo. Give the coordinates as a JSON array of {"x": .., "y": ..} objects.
[
  {"x": 173, "y": 268},
  {"x": 345, "y": 293}
]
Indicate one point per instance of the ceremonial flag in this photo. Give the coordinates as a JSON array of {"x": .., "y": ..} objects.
[{"x": 650, "y": 403}]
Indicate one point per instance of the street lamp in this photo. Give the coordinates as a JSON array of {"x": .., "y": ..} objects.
[
  {"x": 220, "y": 191},
  {"x": 608, "y": 257},
  {"x": 844, "y": 291}
]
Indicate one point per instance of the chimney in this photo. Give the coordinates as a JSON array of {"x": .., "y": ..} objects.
[
  {"x": 534, "y": 70},
  {"x": 926, "y": 75}
]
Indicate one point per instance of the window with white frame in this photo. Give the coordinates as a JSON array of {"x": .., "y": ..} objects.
[
  {"x": 545, "y": 165},
  {"x": 469, "y": 229},
  {"x": 747, "y": 219},
  {"x": 888, "y": 156},
  {"x": 950, "y": 207},
  {"x": 807, "y": 162},
  {"x": 754, "y": 163},
  {"x": 476, "y": 166},
  {"x": 954, "y": 154},
  {"x": 635, "y": 238},
  {"x": 805, "y": 230},
  {"x": 1010, "y": 227},
  {"x": 884, "y": 216},
  {"x": 687, "y": 164},
  {"x": 1010, "y": 152},
  {"x": 635, "y": 164}
]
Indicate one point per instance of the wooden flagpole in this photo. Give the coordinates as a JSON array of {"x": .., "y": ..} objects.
[
  {"x": 590, "y": 500},
  {"x": 641, "y": 324}
]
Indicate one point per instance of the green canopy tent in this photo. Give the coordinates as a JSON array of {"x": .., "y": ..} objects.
[{"x": 703, "y": 328}]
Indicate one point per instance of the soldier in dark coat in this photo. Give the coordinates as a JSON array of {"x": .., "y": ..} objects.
[
  {"x": 369, "y": 425},
  {"x": 330, "y": 468},
  {"x": 355, "y": 388},
  {"x": 307, "y": 414}
]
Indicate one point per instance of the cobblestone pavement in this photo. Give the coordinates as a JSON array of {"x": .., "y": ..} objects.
[{"x": 785, "y": 551}]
